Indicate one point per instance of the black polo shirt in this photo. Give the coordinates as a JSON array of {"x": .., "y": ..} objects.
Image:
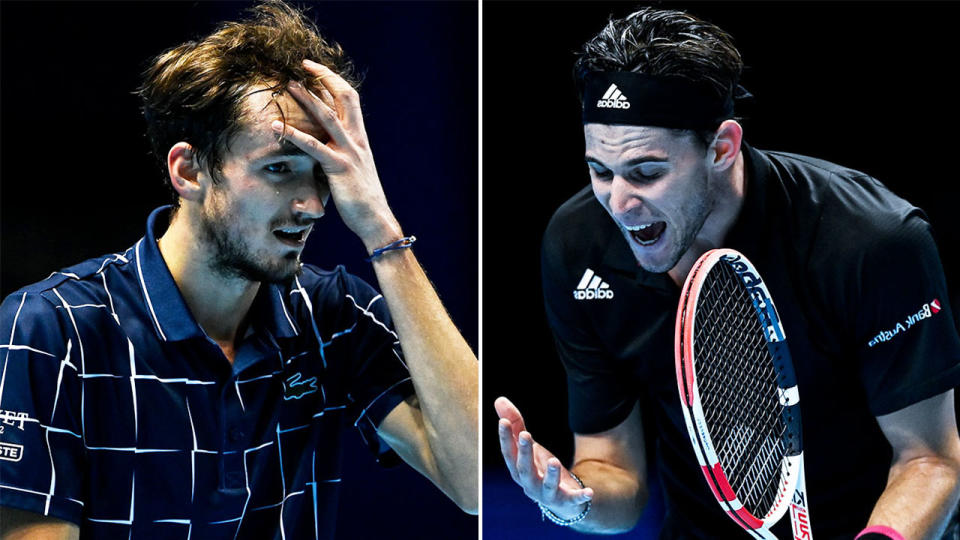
[
  {"x": 121, "y": 415},
  {"x": 858, "y": 283}
]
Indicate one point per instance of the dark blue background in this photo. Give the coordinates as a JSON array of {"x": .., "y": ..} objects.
[{"x": 77, "y": 180}]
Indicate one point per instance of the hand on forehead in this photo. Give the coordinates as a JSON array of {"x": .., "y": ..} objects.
[
  {"x": 265, "y": 104},
  {"x": 321, "y": 84}
]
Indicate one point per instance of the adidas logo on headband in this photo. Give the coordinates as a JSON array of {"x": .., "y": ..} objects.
[{"x": 613, "y": 99}]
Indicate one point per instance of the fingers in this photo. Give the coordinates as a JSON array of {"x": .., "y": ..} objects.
[
  {"x": 554, "y": 492},
  {"x": 586, "y": 494},
  {"x": 329, "y": 160},
  {"x": 540, "y": 474},
  {"x": 345, "y": 97},
  {"x": 508, "y": 447},
  {"x": 506, "y": 409},
  {"x": 525, "y": 465},
  {"x": 323, "y": 113},
  {"x": 551, "y": 480}
]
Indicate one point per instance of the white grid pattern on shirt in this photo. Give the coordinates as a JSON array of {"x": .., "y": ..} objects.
[
  {"x": 128, "y": 521},
  {"x": 13, "y": 331},
  {"x": 366, "y": 311},
  {"x": 108, "y": 260},
  {"x": 113, "y": 310},
  {"x": 313, "y": 320},
  {"x": 283, "y": 482},
  {"x": 83, "y": 365},
  {"x": 68, "y": 274},
  {"x": 24, "y": 348},
  {"x": 133, "y": 377},
  {"x": 186, "y": 522},
  {"x": 63, "y": 363},
  {"x": 286, "y": 313},
  {"x": 193, "y": 452},
  {"x": 146, "y": 294}
]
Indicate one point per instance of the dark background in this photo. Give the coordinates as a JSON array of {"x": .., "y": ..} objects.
[
  {"x": 77, "y": 181},
  {"x": 866, "y": 85}
]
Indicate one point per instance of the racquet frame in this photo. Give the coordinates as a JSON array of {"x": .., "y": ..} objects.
[{"x": 792, "y": 486}]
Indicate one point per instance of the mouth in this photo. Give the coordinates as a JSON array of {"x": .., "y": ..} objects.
[
  {"x": 647, "y": 234},
  {"x": 292, "y": 236}
]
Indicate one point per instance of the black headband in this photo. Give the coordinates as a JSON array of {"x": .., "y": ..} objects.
[{"x": 638, "y": 99}]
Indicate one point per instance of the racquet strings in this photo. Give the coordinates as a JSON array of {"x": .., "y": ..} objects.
[{"x": 738, "y": 389}]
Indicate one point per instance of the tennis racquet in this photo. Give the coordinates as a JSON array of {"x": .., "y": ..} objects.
[{"x": 739, "y": 395}]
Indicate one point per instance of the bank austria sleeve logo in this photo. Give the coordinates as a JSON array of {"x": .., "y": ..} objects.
[
  {"x": 926, "y": 311},
  {"x": 591, "y": 287}
]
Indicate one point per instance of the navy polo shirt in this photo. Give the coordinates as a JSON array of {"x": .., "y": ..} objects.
[
  {"x": 119, "y": 414},
  {"x": 858, "y": 284}
]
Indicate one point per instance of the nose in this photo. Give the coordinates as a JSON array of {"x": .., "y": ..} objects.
[
  {"x": 624, "y": 196},
  {"x": 310, "y": 199}
]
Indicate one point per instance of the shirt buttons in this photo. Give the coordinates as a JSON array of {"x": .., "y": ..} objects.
[
  {"x": 235, "y": 479},
  {"x": 235, "y": 434}
]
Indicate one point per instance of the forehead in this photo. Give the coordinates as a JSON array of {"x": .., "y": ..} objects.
[
  {"x": 260, "y": 109},
  {"x": 611, "y": 142}
]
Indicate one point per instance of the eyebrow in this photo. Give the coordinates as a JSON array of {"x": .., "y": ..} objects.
[
  {"x": 287, "y": 148},
  {"x": 631, "y": 163}
]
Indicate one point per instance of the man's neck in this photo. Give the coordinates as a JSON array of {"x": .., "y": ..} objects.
[
  {"x": 220, "y": 304},
  {"x": 730, "y": 195}
]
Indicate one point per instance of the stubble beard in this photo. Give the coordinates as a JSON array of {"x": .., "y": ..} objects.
[
  {"x": 231, "y": 254},
  {"x": 697, "y": 212}
]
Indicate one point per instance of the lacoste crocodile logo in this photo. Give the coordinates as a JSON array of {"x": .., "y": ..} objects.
[{"x": 294, "y": 388}]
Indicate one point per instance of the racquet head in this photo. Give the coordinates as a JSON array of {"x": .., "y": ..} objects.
[{"x": 738, "y": 389}]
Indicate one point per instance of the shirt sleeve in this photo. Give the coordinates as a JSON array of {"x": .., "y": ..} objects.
[
  {"x": 41, "y": 445},
  {"x": 907, "y": 345},
  {"x": 379, "y": 379},
  {"x": 599, "y": 393}
]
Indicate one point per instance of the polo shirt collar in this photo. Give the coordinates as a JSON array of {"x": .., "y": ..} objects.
[
  {"x": 165, "y": 306},
  {"x": 271, "y": 311},
  {"x": 751, "y": 225}
]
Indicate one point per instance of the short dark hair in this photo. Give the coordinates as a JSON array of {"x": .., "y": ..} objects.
[
  {"x": 665, "y": 42},
  {"x": 195, "y": 92}
]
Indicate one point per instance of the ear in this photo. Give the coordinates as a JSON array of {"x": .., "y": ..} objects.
[
  {"x": 726, "y": 145},
  {"x": 184, "y": 171}
]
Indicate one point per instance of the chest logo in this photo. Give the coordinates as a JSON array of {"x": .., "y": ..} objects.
[
  {"x": 591, "y": 287},
  {"x": 294, "y": 388}
]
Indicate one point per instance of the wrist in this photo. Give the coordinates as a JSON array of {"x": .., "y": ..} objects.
[
  {"x": 387, "y": 233},
  {"x": 398, "y": 245},
  {"x": 568, "y": 514},
  {"x": 562, "y": 520}
]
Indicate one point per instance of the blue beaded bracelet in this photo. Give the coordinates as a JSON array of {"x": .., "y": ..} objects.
[{"x": 402, "y": 243}]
